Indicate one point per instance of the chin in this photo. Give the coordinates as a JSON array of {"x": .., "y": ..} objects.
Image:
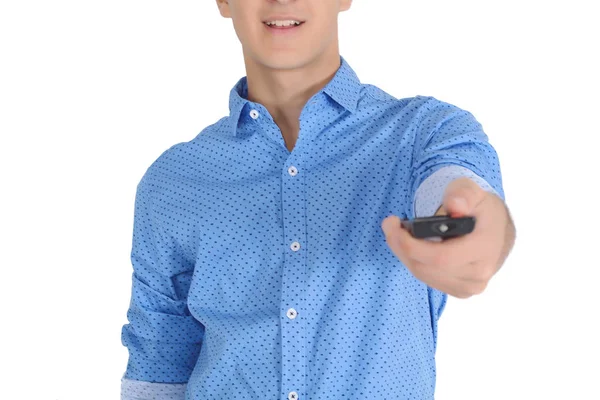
[
  {"x": 278, "y": 64},
  {"x": 284, "y": 61}
]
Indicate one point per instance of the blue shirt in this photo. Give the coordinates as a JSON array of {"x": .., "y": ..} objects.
[{"x": 260, "y": 273}]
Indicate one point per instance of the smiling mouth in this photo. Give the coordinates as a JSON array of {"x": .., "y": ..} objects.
[{"x": 291, "y": 26}]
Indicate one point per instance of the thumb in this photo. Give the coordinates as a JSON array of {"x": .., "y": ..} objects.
[{"x": 461, "y": 196}]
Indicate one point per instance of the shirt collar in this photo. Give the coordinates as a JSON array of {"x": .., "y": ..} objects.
[{"x": 344, "y": 88}]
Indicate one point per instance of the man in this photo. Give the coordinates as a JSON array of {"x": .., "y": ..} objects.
[{"x": 268, "y": 257}]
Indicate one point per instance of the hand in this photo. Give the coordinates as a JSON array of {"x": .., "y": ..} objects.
[{"x": 460, "y": 266}]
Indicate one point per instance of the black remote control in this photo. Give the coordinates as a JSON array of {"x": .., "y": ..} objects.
[{"x": 442, "y": 226}]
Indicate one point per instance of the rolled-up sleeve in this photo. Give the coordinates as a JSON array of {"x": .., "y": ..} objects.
[
  {"x": 430, "y": 194},
  {"x": 449, "y": 143},
  {"x": 449, "y": 135},
  {"x": 162, "y": 337}
]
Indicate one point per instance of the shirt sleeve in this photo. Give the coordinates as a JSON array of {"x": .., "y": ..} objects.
[
  {"x": 430, "y": 194},
  {"x": 447, "y": 136},
  {"x": 162, "y": 337},
  {"x": 140, "y": 390}
]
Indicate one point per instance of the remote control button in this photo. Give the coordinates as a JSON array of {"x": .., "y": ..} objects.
[{"x": 445, "y": 227}]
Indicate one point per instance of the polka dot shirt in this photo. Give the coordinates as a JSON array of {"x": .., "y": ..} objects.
[{"x": 263, "y": 273}]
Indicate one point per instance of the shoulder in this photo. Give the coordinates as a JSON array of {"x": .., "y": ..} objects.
[
  {"x": 436, "y": 107},
  {"x": 180, "y": 160},
  {"x": 377, "y": 94},
  {"x": 420, "y": 104},
  {"x": 413, "y": 112}
]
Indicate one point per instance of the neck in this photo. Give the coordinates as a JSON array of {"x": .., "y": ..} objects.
[{"x": 284, "y": 92}]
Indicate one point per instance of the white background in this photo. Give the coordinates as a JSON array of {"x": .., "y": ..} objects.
[{"x": 91, "y": 92}]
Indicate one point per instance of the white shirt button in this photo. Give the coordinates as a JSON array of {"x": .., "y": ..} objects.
[
  {"x": 291, "y": 313},
  {"x": 295, "y": 246},
  {"x": 293, "y": 171},
  {"x": 293, "y": 396},
  {"x": 254, "y": 114}
]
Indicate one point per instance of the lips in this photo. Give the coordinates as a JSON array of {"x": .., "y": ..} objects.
[
  {"x": 284, "y": 31},
  {"x": 283, "y": 18},
  {"x": 284, "y": 27}
]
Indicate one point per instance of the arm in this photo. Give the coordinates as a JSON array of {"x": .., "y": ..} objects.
[
  {"x": 449, "y": 137},
  {"x": 140, "y": 390},
  {"x": 162, "y": 337},
  {"x": 431, "y": 191}
]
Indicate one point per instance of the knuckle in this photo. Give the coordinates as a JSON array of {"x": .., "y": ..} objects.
[
  {"x": 389, "y": 238},
  {"x": 484, "y": 274},
  {"x": 399, "y": 244},
  {"x": 478, "y": 288},
  {"x": 405, "y": 247},
  {"x": 462, "y": 294},
  {"x": 478, "y": 272},
  {"x": 440, "y": 259}
]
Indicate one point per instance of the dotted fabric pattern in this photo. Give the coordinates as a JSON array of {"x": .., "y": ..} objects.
[
  {"x": 264, "y": 273},
  {"x": 430, "y": 193},
  {"x": 429, "y": 196},
  {"x": 140, "y": 390}
]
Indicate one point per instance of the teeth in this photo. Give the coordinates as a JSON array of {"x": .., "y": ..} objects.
[{"x": 282, "y": 23}]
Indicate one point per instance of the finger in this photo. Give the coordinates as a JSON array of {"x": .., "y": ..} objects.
[
  {"x": 450, "y": 254},
  {"x": 462, "y": 196},
  {"x": 451, "y": 280}
]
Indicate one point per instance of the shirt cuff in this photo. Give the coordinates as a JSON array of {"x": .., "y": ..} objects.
[
  {"x": 430, "y": 194},
  {"x": 141, "y": 390}
]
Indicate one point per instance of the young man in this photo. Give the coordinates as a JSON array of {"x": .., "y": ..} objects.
[{"x": 269, "y": 262}]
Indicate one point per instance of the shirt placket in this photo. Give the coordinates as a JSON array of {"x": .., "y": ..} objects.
[{"x": 293, "y": 323}]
